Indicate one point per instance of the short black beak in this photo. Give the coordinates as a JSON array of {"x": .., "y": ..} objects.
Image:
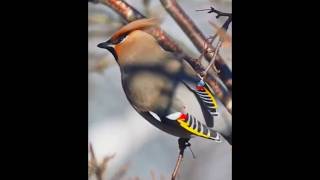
[
  {"x": 107, "y": 45},
  {"x": 104, "y": 45}
]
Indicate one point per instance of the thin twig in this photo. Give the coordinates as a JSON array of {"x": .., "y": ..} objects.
[
  {"x": 222, "y": 33},
  {"x": 94, "y": 163},
  {"x": 205, "y": 47},
  {"x": 130, "y": 14},
  {"x": 98, "y": 169},
  {"x": 183, "y": 144},
  {"x": 197, "y": 38},
  {"x": 213, "y": 58},
  {"x": 219, "y": 14},
  {"x": 176, "y": 168},
  {"x": 205, "y": 50}
]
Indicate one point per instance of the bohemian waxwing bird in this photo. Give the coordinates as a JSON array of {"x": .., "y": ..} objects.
[{"x": 150, "y": 79}]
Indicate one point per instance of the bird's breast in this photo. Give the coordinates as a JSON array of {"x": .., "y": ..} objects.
[{"x": 146, "y": 91}]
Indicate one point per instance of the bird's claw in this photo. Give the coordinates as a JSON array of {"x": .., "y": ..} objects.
[{"x": 183, "y": 143}]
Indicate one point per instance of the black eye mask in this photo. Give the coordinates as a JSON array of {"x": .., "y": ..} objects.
[
  {"x": 108, "y": 45},
  {"x": 120, "y": 39}
]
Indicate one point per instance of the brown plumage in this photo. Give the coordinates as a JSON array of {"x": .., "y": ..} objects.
[
  {"x": 151, "y": 77},
  {"x": 135, "y": 25}
]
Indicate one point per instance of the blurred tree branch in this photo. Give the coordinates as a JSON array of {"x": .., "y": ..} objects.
[
  {"x": 94, "y": 167},
  {"x": 99, "y": 169},
  {"x": 198, "y": 39},
  {"x": 128, "y": 13},
  {"x": 121, "y": 172}
]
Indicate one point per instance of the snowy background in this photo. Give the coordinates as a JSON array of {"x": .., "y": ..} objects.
[{"x": 114, "y": 126}]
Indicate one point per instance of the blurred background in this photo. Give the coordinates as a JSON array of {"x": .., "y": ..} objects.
[{"x": 115, "y": 128}]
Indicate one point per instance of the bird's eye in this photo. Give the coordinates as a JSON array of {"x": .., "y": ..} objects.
[{"x": 121, "y": 39}]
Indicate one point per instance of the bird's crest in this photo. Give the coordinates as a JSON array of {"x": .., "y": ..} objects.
[{"x": 135, "y": 25}]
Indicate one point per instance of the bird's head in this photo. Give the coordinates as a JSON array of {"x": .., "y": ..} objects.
[{"x": 132, "y": 42}]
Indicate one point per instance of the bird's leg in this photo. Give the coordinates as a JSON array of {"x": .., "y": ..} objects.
[{"x": 183, "y": 143}]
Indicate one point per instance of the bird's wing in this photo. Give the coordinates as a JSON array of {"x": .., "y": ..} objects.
[
  {"x": 203, "y": 92},
  {"x": 190, "y": 124},
  {"x": 204, "y": 95}
]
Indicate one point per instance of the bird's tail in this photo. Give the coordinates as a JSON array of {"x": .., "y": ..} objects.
[
  {"x": 215, "y": 136},
  {"x": 191, "y": 124}
]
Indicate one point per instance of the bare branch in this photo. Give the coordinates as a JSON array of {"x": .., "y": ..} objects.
[
  {"x": 177, "y": 167},
  {"x": 213, "y": 58},
  {"x": 197, "y": 38},
  {"x": 219, "y": 14},
  {"x": 222, "y": 33},
  {"x": 94, "y": 167}
]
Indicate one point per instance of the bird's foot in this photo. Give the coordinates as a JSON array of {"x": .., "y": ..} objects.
[{"x": 183, "y": 144}]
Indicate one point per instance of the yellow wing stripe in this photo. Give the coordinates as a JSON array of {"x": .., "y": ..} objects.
[
  {"x": 212, "y": 98},
  {"x": 185, "y": 125}
]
